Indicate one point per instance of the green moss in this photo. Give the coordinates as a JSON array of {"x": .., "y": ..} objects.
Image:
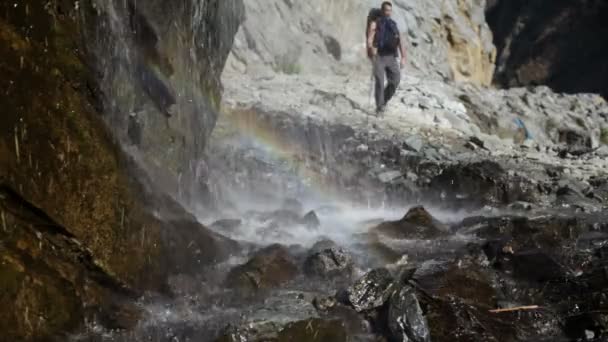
[
  {"x": 10, "y": 278},
  {"x": 287, "y": 65},
  {"x": 604, "y": 135}
]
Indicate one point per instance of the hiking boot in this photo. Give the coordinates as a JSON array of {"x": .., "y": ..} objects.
[{"x": 380, "y": 111}]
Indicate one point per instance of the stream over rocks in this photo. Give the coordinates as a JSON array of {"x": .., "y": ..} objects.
[
  {"x": 315, "y": 266},
  {"x": 139, "y": 203}
]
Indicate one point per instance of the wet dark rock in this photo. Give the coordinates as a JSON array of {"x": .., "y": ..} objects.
[
  {"x": 457, "y": 296},
  {"x": 311, "y": 221},
  {"x": 264, "y": 321},
  {"x": 406, "y": 320},
  {"x": 290, "y": 316},
  {"x": 450, "y": 319},
  {"x": 268, "y": 268},
  {"x": 536, "y": 266},
  {"x": 416, "y": 224},
  {"x": 329, "y": 262},
  {"x": 466, "y": 279},
  {"x": 371, "y": 291},
  {"x": 478, "y": 184},
  {"x": 314, "y": 330}
]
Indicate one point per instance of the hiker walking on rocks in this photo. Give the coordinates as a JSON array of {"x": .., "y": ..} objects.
[{"x": 384, "y": 45}]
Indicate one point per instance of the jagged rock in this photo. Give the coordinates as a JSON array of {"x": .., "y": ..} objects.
[
  {"x": 467, "y": 278},
  {"x": 265, "y": 321},
  {"x": 311, "y": 220},
  {"x": 406, "y": 320},
  {"x": 329, "y": 262},
  {"x": 371, "y": 291},
  {"x": 268, "y": 268},
  {"x": 416, "y": 224}
]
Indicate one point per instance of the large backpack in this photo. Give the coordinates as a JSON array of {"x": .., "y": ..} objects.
[
  {"x": 387, "y": 36},
  {"x": 372, "y": 16}
]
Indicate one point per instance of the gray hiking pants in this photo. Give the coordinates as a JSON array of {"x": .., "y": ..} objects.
[{"x": 390, "y": 66}]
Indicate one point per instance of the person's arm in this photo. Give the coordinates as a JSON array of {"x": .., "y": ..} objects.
[
  {"x": 371, "y": 35},
  {"x": 402, "y": 51}
]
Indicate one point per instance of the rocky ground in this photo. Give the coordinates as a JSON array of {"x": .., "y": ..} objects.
[{"x": 515, "y": 214}]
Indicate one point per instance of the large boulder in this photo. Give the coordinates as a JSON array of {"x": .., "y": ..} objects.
[
  {"x": 268, "y": 268},
  {"x": 416, "y": 224},
  {"x": 329, "y": 262}
]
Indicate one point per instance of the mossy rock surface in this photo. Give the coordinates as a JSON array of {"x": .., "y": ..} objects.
[{"x": 77, "y": 224}]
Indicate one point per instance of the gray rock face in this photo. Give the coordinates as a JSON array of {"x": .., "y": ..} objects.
[
  {"x": 371, "y": 291},
  {"x": 405, "y": 318},
  {"x": 159, "y": 67},
  {"x": 444, "y": 39}
]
